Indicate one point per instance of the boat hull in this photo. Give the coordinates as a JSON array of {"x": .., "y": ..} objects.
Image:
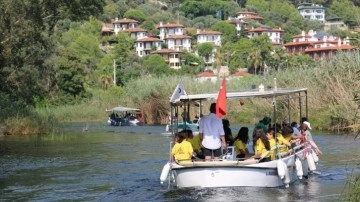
[
  {"x": 236, "y": 173},
  {"x": 230, "y": 177}
]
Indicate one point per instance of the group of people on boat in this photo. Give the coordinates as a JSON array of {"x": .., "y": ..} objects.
[
  {"x": 116, "y": 120},
  {"x": 215, "y": 136}
]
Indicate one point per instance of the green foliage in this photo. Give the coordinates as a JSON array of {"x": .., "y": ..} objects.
[
  {"x": 204, "y": 49},
  {"x": 135, "y": 15},
  {"x": 70, "y": 75},
  {"x": 155, "y": 64},
  {"x": 149, "y": 25},
  {"x": 204, "y": 21},
  {"x": 345, "y": 10},
  {"x": 228, "y": 30},
  {"x": 207, "y": 7}
]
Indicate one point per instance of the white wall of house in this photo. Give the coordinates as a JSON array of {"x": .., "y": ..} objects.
[
  {"x": 312, "y": 12},
  {"x": 179, "y": 44},
  {"x": 144, "y": 48},
  {"x": 121, "y": 26}
]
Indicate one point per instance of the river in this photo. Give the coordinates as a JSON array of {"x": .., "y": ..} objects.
[{"x": 103, "y": 163}]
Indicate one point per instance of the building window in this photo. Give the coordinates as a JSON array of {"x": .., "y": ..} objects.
[{"x": 171, "y": 64}]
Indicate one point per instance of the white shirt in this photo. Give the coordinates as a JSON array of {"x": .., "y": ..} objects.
[
  {"x": 212, "y": 128},
  {"x": 296, "y": 131}
]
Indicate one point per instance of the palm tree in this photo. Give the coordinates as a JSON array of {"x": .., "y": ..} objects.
[{"x": 256, "y": 59}]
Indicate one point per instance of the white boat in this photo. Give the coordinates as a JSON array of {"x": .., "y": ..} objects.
[
  {"x": 232, "y": 172},
  {"x": 128, "y": 116}
]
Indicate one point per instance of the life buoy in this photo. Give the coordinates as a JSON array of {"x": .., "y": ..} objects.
[
  {"x": 315, "y": 157},
  {"x": 287, "y": 176},
  {"x": 299, "y": 168},
  {"x": 165, "y": 173},
  {"x": 311, "y": 162},
  {"x": 281, "y": 168}
]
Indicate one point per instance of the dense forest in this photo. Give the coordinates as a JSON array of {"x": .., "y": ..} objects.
[{"x": 53, "y": 54}]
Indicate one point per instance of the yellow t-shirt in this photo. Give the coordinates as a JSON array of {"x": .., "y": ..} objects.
[
  {"x": 260, "y": 148},
  {"x": 282, "y": 141},
  {"x": 239, "y": 145},
  {"x": 182, "y": 151},
  {"x": 195, "y": 143},
  {"x": 272, "y": 144}
]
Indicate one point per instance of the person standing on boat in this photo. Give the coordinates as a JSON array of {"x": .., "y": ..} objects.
[{"x": 212, "y": 134}]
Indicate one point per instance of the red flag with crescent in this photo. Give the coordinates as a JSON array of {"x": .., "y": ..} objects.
[{"x": 221, "y": 100}]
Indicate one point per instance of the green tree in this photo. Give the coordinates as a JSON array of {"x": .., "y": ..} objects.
[
  {"x": 239, "y": 54},
  {"x": 135, "y": 15},
  {"x": 345, "y": 10},
  {"x": 228, "y": 30},
  {"x": 70, "y": 77},
  {"x": 27, "y": 42},
  {"x": 204, "y": 50},
  {"x": 155, "y": 64}
]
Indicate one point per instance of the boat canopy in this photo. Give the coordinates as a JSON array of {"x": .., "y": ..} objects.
[
  {"x": 122, "y": 109},
  {"x": 246, "y": 94}
]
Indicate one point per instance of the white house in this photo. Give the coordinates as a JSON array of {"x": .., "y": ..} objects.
[
  {"x": 171, "y": 57},
  {"x": 125, "y": 23},
  {"x": 247, "y": 16},
  {"x": 310, "y": 11},
  {"x": 144, "y": 46},
  {"x": 178, "y": 42},
  {"x": 238, "y": 23},
  {"x": 136, "y": 32},
  {"x": 274, "y": 34},
  {"x": 208, "y": 36},
  {"x": 170, "y": 29}
]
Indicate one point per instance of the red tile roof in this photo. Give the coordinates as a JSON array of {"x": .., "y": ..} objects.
[
  {"x": 208, "y": 32},
  {"x": 125, "y": 20},
  {"x": 246, "y": 12},
  {"x": 107, "y": 29},
  {"x": 240, "y": 73},
  {"x": 254, "y": 17},
  {"x": 169, "y": 25},
  {"x": 147, "y": 39},
  {"x": 165, "y": 51},
  {"x": 298, "y": 43},
  {"x": 330, "y": 48},
  {"x": 206, "y": 74},
  {"x": 301, "y": 36},
  {"x": 262, "y": 29},
  {"x": 135, "y": 29}
]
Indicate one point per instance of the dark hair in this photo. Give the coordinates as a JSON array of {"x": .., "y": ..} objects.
[
  {"x": 181, "y": 136},
  {"x": 187, "y": 132},
  {"x": 294, "y": 124},
  {"x": 243, "y": 135},
  {"x": 226, "y": 123},
  {"x": 303, "y": 119},
  {"x": 265, "y": 141},
  {"x": 257, "y": 133},
  {"x": 213, "y": 107},
  {"x": 286, "y": 131}
]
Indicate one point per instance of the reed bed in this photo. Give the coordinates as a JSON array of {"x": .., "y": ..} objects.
[{"x": 332, "y": 86}]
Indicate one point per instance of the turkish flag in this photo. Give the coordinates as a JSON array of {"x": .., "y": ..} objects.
[{"x": 221, "y": 100}]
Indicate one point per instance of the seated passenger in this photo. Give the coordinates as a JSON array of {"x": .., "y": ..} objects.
[
  {"x": 228, "y": 134},
  {"x": 195, "y": 143},
  {"x": 262, "y": 145},
  {"x": 241, "y": 141},
  {"x": 182, "y": 150},
  {"x": 284, "y": 138},
  {"x": 270, "y": 135}
]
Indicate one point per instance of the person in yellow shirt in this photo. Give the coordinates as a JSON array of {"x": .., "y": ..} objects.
[
  {"x": 284, "y": 138},
  {"x": 195, "y": 143},
  {"x": 262, "y": 145},
  {"x": 241, "y": 141},
  {"x": 270, "y": 135},
  {"x": 182, "y": 150}
]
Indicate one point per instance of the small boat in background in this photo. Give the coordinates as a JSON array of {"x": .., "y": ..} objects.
[{"x": 124, "y": 116}]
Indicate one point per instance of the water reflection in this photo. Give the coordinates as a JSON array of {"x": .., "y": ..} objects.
[{"x": 125, "y": 164}]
